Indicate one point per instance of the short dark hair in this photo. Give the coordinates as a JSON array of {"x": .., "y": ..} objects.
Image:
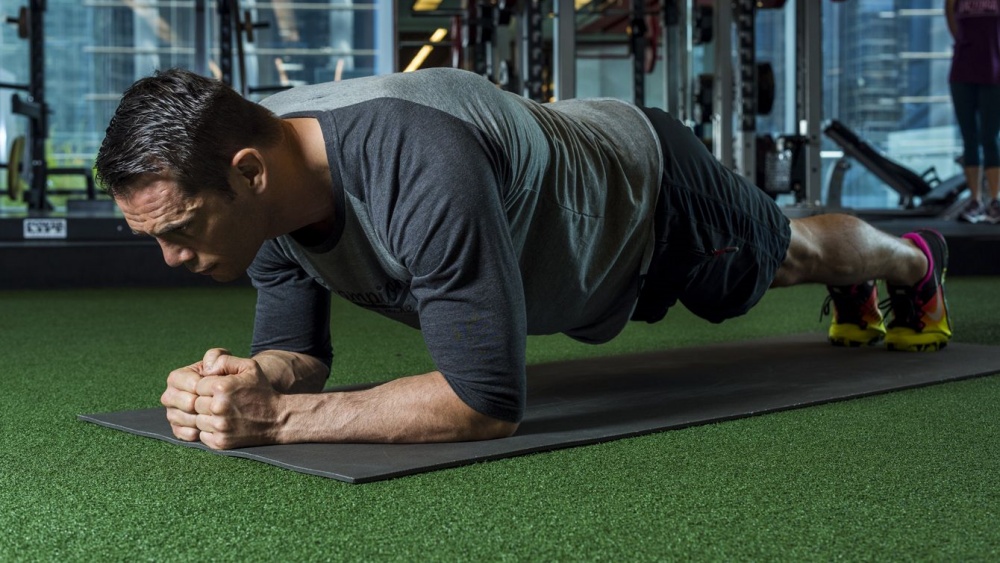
[{"x": 181, "y": 124}]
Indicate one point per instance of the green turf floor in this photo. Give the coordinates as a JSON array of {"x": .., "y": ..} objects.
[{"x": 912, "y": 475}]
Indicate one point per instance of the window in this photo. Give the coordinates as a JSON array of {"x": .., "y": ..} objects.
[{"x": 94, "y": 49}]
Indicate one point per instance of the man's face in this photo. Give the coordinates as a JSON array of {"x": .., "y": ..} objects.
[{"x": 210, "y": 233}]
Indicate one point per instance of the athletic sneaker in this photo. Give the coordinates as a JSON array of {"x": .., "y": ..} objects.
[
  {"x": 920, "y": 320},
  {"x": 973, "y": 212},
  {"x": 857, "y": 320},
  {"x": 992, "y": 212}
]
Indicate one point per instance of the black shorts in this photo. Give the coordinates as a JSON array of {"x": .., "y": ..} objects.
[{"x": 719, "y": 239}]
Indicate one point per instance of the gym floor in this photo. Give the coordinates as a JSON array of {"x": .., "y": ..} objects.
[{"x": 902, "y": 476}]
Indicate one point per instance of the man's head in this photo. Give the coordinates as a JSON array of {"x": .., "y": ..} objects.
[
  {"x": 183, "y": 160},
  {"x": 184, "y": 126}
]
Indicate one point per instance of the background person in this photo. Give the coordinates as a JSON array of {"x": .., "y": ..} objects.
[{"x": 975, "y": 91}]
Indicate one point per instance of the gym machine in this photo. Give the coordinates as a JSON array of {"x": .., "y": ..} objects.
[
  {"x": 641, "y": 24},
  {"x": 488, "y": 36},
  {"x": 723, "y": 105},
  {"x": 237, "y": 29},
  {"x": 26, "y": 159},
  {"x": 677, "y": 43},
  {"x": 922, "y": 194},
  {"x": 743, "y": 89},
  {"x": 535, "y": 85},
  {"x": 501, "y": 40}
]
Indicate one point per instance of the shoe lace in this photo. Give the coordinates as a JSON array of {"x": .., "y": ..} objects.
[
  {"x": 825, "y": 310},
  {"x": 904, "y": 307},
  {"x": 848, "y": 305}
]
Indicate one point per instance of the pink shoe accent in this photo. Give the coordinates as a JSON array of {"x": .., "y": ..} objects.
[{"x": 922, "y": 245}]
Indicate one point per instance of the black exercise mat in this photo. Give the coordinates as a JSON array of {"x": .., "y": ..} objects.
[{"x": 594, "y": 400}]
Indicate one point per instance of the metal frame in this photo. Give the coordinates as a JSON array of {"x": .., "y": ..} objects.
[
  {"x": 809, "y": 91},
  {"x": 532, "y": 50},
  {"x": 200, "y": 37},
  {"x": 677, "y": 55},
  {"x": 637, "y": 27},
  {"x": 387, "y": 42},
  {"x": 223, "y": 8},
  {"x": 37, "y": 111},
  {"x": 564, "y": 45},
  {"x": 746, "y": 92},
  {"x": 35, "y": 108},
  {"x": 723, "y": 88}
]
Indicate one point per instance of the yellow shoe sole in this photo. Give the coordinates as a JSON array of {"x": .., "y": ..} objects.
[
  {"x": 853, "y": 336},
  {"x": 907, "y": 340}
]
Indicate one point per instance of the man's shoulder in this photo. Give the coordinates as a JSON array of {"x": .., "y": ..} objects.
[
  {"x": 423, "y": 86},
  {"x": 274, "y": 255}
]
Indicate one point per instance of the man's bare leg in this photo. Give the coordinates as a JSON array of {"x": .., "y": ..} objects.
[{"x": 838, "y": 249}]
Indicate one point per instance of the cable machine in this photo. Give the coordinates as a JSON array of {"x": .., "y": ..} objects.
[
  {"x": 30, "y": 163},
  {"x": 26, "y": 159}
]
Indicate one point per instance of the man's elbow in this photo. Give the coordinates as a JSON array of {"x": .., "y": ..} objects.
[
  {"x": 482, "y": 427},
  {"x": 502, "y": 429},
  {"x": 466, "y": 422}
]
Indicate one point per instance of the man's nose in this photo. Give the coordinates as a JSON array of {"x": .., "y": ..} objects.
[{"x": 174, "y": 254}]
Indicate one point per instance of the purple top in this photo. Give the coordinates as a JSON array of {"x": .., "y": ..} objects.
[{"x": 976, "y": 58}]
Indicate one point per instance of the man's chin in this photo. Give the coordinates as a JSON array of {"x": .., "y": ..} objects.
[
  {"x": 224, "y": 276},
  {"x": 221, "y": 274}
]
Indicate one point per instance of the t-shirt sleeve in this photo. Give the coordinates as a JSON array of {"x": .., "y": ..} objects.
[
  {"x": 293, "y": 310},
  {"x": 447, "y": 226}
]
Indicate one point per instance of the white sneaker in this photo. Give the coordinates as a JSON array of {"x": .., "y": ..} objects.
[
  {"x": 992, "y": 212},
  {"x": 973, "y": 212}
]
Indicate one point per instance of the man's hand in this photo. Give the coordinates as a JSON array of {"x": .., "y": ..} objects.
[
  {"x": 181, "y": 394},
  {"x": 228, "y": 402},
  {"x": 236, "y": 405}
]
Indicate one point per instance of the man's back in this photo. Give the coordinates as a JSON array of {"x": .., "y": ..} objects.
[{"x": 577, "y": 179}]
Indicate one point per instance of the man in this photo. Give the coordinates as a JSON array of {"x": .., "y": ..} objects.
[{"x": 478, "y": 216}]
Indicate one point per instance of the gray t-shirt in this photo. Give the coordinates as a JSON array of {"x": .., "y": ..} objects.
[{"x": 472, "y": 214}]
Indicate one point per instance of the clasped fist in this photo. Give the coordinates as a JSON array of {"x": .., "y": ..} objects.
[{"x": 224, "y": 401}]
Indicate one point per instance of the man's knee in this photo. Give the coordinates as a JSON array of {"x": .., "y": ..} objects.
[{"x": 803, "y": 253}]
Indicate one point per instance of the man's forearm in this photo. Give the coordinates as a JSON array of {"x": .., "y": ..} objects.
[
  {"x": 290, "y": 372},
  {"x": 420, "y": 408}
]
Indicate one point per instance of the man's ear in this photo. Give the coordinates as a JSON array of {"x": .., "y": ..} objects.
[{"x": 251, "y": 172}]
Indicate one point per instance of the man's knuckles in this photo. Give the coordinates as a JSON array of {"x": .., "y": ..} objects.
[
  {"x": 184, "y": 379},
  {"x": 215, "y": 423},
  {"x": 218, "y": 441},
  {"x": 212, "y": 355},
  {"x": 185, "y": 433},
  {"x": 213, "y": 385},
  {"x": 172, "y": 398},
  {"x": 203, "y": 405},
  {"x": 177, "y": 417}
]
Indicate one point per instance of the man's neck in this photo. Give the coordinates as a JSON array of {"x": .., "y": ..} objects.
[{"x": 305, "y": 199}]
